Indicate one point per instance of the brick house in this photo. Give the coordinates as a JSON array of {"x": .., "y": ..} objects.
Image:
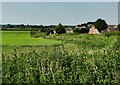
[
  {"x": 69, "y": 30},
  {"x": 93, "y": 30}
]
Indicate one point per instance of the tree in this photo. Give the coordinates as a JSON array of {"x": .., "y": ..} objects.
[
  {"x": 60, "y": 29},
  {"x": 22, "y": 26},
  {"x": 84, "y": 24},
  {"x": 118, "y": 26},
  {"x": 100, "y": 25},
  {"x": 9, "y": 26},
  {"x": 83, "y": 30},
  {"x": 90, "y": 23},
  {"x": 50, "y": 31}
]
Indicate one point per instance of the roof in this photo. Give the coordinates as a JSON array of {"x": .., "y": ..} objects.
[
  {"x": 112, "y": 27},
  {"x": 69, "y": 29}
]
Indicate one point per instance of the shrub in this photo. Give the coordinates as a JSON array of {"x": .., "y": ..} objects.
[
  {"x": 108, "y": 34},
  {"x": 50, "y": 31},
  {"x": 100, "y": 25},
  {"x": 60, "y": 29},
  {"x": 83, "y": 30},
  {"x": 82, "y": 59}
]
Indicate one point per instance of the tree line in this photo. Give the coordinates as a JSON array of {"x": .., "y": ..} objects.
[
  {"x": 29, "y": 26},
  {"x": 100, "y": 24}
]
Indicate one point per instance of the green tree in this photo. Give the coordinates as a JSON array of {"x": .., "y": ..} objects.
[
  {"x": 60, "y": 29},
  {"x": 100, "y": 25},
  {"x": 50, "y": 31},
  {"x": 118, "y": 26}
]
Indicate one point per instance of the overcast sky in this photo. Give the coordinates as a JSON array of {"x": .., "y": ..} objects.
[{"x": 47, "y": 13}]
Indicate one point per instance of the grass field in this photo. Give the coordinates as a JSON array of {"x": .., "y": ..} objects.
[
  {"x": 24, "y": 38},
  {"x": 81, "y": 59}
]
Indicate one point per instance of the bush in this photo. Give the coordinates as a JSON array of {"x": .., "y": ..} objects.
[
  {"x": 82, "y": 59},
  {"x": 108, "y": 34},
  {"x": 60, "y": 29},
  {"x": 83, "y": 30},
  {"x": 118, "y": 26},
  {"x": 49, "y": 32},
  {"x": 100, "y": 25},
  {"x": 60, "y": 66}
]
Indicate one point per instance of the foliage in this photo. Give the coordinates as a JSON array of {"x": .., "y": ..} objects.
[
  {"x": 60, "y": 29},
  {"x": 83, "y": 30},
  {"x": 118, "y": 26},
  {"x": 90, "y": 23},
  {"x": 83, "y": 59},
  {"x": 20, "y": 29},
  {"x": 43, "y": 30},
  {"x": 117, "y": 33},
  {"x": 100, "y": 25},
  {"x": 50, "y": 31},
  {"x": 77, "y": 30}
]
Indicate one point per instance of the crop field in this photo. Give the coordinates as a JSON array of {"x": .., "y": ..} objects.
[
  {"x": 24, "y": 38},
  {"x": 80, "y": 59}
]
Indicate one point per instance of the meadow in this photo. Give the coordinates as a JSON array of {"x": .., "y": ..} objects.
[
  {"x": 24, "y": 38},
  {"x": 79, "y": 58}
]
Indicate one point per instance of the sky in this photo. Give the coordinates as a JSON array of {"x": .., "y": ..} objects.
[
  {"x": 60, "y": 0},
  {"x": 67, "y": 13}
]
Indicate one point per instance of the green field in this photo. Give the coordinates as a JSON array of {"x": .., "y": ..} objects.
[
  {"x": 24, "y": 38},
  {"x": 80, "y": 59}
]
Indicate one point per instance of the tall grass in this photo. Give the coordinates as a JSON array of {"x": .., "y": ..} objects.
[
  {"x": 82, "y": 59},
  {"x": 60, "y": 66}
]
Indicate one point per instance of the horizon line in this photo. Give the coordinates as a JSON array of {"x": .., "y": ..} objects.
[{"x": 49, "y": 24}]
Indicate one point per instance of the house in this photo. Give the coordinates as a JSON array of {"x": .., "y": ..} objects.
[
  {"x": 83, "y": 27},
  {"x": 69, "y": 30},
  {"x": 93, "y": 30},
  {"x": 78, "y": 26},
  {"x": 89, "y": 24},
  {"x": 112, "y": 28}
]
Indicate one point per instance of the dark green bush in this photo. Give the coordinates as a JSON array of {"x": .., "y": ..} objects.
[
  {"x": 50, "y": 31},
  {"x": 83, "y": 30}
]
